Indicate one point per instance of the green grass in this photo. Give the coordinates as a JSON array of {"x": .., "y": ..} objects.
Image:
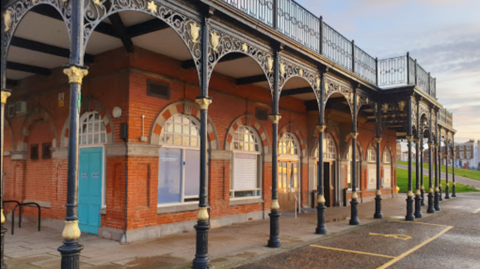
[
  {"x": 402, "y": 183},
  {"x": 472, "y": 174}
]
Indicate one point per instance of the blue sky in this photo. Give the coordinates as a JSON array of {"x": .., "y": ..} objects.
[{"x": 443, "y": 35}]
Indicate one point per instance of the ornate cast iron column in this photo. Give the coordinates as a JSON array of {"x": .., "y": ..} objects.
[
  {"x": 354, "y": 202},
  {"x": 422, "y": 187},
  {"x": 437, "y": 192},
  {"x": 70, "y": 250},
  {"x": 430, "y": 208},
  {"x": 378, "y": 194},
  {"x": 418, "y": 193},
  {"x": 201, "y": 260},
  {"x": 447, "y": 158},
  {"x": 454, "y": 156},
  {"x": 409, "y": 200},
  {"x": 320, "y": 177},
  {"x": 5, "y": 95},
  {"x": 439, "y": 170},
  {"x": 274, "y": 240}
]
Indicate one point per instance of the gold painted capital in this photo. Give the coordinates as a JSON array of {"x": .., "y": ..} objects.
[
  {"x": 379, "y": 193},
  {"x": 204, "y": 102},
  {"x": 436, "y": 146},
  {"x": 275, "y": 205},
  {"x": 437, "y": 189},
  {"x": 321, "y": 199},
  {"x": 422, "y": 187},
  {"x": 354, "y": 195},
  {"x": 354, "y": 134},
  {"x": 409, "y": 138},
  {"x": 430, "y": 144},
  {"x": 7, "y": 18},
  {"x": 454, "y": 183},
  {"x": 416, "y": 140},
  {"x": 418, "y": 192},
  {"x": 275, "y": 118},
  {"x": 430, "y": 190},
  {"x": 71, "y": 230},
  {"x": 410, "y": 194},
  {"x": 75, "y": 74},
  {"x": 377, "y": 140},
  {"x": 202, "y": 214},
  {"x": 401, "y": 105},
  {"x": 321, "y": 128},
  {"x": 3, "y": 217},
  {"x": 5, "y": 96}
]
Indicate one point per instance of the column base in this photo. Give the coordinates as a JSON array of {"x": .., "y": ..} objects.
[
  {"x": 423, "y": 197},
  {"x": 201, "y": 260},
  {"x": 274, "y": 240},
  {"x": 430, "y": 208},
  {"x": 418, "y": 207},
  {"x": 321, "y": 229},
  {"x": 378, "y": 207},
  {"x": 447, "y": 194},
  {"x": 354, "y": 212},
  {"x": 409, "y": 216},
  {"x": 436, "y": 203},
  {"x": 454, "y": 193},
  {"x": 70, "y": 252},
  {"x": 3, "y": 232}
]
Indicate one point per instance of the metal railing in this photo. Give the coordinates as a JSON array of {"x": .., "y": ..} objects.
[
  {"x": 300, "y": 25},
  {"x": 445, "y": 117}
]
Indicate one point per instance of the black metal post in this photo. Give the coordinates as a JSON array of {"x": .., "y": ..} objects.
[
  {"x": 354, "y": 202},
  {"x": 418, "y": 193},
  {"x": 437, "y": 190},
  {"x": 409, "y": 200},
  {"x": 376, "y": 71},
  {"x": 321, "y": 36},
  {"x": 430, "y": 208},
  {"x": 201, "y": 260},
  {"x": 274, "y": 240},
  {"x": 378, "y": 140},
  {"x": 70, "y": 250},
  {"x": 447, "y": 158},
  {"x": 422, "y": 187},
  {"x": 353, "y": 56},
  {"x": 321, "y": 229},
  {"x": 4, "y": 96},
  {"x": 408, "y": 68},
  {"x": 439, "y": 168},
  {"x": 275, "y": 14},
  {"x": 454, "y": 153}
]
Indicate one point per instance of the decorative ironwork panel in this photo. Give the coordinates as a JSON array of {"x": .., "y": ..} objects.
[
  {"x": 290, "y": 68},
  {"x": 261, "y": 10},
  {"x": 336, "y": 47},
  {"x": 298, "y": 24},
  {"x": 411, "y": 71},
  {"x": 365, "y": 65},
  {"x": 422, "y": 79},
  {"x": 392, "y": 71},
  {"x": 333, "y": 85},
  {"x": 186, "y": 24},
  {"x": 433, "y": 87}
]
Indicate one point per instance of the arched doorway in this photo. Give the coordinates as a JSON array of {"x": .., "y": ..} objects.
[
  {"x": 288, "y": 172},
  {"x": 91, "y": 182},
  {"x": 329, "y": 170}
]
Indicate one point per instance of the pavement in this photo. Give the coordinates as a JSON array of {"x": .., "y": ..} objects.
[
  {"x": 458, "y": 179},
  {"x": 244, "y": 244}
]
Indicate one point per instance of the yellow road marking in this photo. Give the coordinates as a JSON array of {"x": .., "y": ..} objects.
[
  {"x": 396, "y": 236},
  {"x": 396, "y": 259},
  {"x": 476, "y": 211},
  {"x": 423, "y": 223},
  {"x": 353, "y": 251}
]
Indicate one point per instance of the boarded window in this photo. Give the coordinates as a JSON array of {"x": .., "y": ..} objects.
[
  {"x": 34, "y": 152},
  {"x": 46, "y": 153},
  {"x": 158, "y": 89}
]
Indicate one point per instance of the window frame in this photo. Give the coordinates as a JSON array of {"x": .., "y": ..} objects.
[{"x": 84, "y": 119}]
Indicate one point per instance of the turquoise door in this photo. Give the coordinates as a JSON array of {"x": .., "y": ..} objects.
[{"x": 90, "y": 189}]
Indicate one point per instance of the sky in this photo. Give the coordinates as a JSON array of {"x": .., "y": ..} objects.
[{"x": 443, "y": 35}]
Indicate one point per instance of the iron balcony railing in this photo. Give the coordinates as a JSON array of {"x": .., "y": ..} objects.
[
  {"x": 300, "y": 25},
  {"x": 445, "y": 117}
]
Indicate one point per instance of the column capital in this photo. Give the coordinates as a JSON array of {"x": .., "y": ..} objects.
[
  {"x": 354, "y": 134},
  {"x": 202, "y": 214},
  {"x": 203, "y": 102},
  {"x": 5, "y": 94},
  {"x": 436, "y": 146},
  {"x": 417, "y": 140},
  {"x": 75, "y": 73},
  {"x": 430, "y": 144},
  {"x": 409, "y": 138},
  {"x": 275, "y": 118},
  {"x": 321, "y": 128},
  {"x": 377, "y": 140},
  {"x": 71, "y": 230},
  {"x": 275, "y": 205}
]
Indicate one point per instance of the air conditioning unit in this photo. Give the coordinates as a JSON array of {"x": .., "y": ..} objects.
[{"x": 17, "y": 109}]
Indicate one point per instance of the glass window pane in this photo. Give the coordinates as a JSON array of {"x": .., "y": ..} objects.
[
  {"x": 178, "y": 140},
  {"x": 169, "y": 176},
  {"x": 192, "y": 172}
]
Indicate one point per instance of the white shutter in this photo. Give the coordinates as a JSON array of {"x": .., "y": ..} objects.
[
  {"x": 372, "y": 176},
  {"x": 387, "y": 176},
  {"x": 244, "y": 171}
]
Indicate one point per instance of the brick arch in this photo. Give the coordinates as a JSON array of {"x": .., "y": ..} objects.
[
  {"x": 37, "y": 114},
  {"x": 252, "y": 122},
  {"x": 331, "y": 132},
  {"x": 88, "y": 105},
  {"x": 392, "y": 156},
  {"x": 8, "y": 126},
  {"x": 183, "y": 107},
  {"x": 291, "y": 128},
  {"x": 360, "y": 146}
]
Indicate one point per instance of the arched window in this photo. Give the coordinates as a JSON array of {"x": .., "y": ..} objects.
[
  {"x": 179, "y": 161},
  {"x": 387, "y": 169},
  {"x": 357, "y": 167},
  {"x": 372, "y": 168},
  {"x": 288, "y": 145},
  {"x": 92, "y": 129},
  {"x": 246, "y": 179}
]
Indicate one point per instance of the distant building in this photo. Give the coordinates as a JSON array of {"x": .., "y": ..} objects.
[{"x": 467, "y": 154}]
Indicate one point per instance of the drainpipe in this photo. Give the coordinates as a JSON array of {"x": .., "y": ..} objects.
[{"x": 124, "y": 137}]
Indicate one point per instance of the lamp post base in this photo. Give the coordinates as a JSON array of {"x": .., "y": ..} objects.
[
  {"x": 354, "y": 213},
  {"x": 321, "y": 229},
  {"x": 378, "y": 207},
  {"x": 70, "y": 252},
  {"x": 274, "y": 240}
]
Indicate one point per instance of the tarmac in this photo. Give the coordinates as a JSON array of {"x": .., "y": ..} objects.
[{"x": 229, "y": 246}]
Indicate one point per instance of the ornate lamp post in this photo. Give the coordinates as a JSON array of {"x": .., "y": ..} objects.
[
  {"x": 5, "y": 94},
  {"x": 354, "y": 202}
]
